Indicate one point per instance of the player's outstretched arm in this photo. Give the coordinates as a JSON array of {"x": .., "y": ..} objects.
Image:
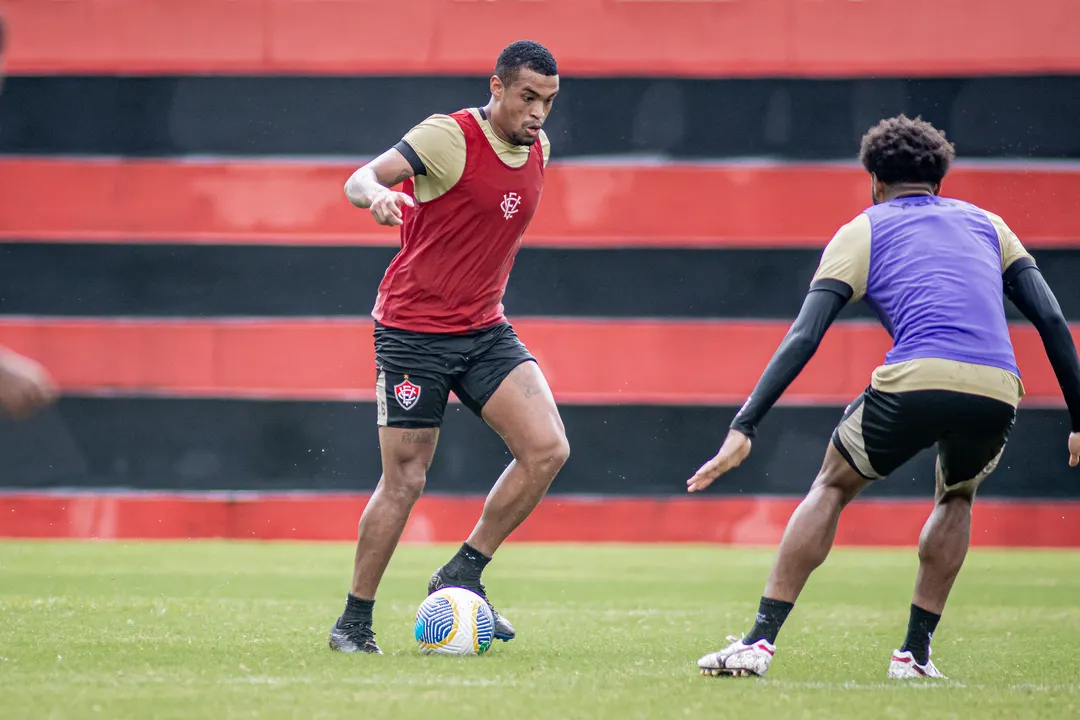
[
  {"x": 822, "y": 304},
  {"x": 841, "y": 277},
  {"x": 369, "y": 187},
  {"x": 1028, "y": 290}
]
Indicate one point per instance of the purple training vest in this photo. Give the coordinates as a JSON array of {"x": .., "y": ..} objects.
[{"x": 935, "y": 282}]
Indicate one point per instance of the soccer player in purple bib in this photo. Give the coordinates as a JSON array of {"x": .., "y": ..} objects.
[{"x": 934, "y": 270}]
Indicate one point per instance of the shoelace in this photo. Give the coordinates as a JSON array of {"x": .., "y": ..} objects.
[
  {"x": 479, "y": 589},
  {"x": 358, "y": 627},
  {"x": 483, "y": 593}
]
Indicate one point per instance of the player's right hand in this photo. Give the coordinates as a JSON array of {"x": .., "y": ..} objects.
[
  {"x": 25, "y": 385},
  {"x": 734, "y": 450},
  {"x": 1074, "y": 449},
  {"x": 386, "y": 207}
]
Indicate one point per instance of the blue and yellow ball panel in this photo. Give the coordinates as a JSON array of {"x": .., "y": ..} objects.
[{"x": 436, "y": 623}]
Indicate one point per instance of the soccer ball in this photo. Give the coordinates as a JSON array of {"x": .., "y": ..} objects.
[{"x": 454, "y": 621}]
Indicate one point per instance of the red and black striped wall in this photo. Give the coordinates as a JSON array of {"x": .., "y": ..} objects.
[
  {"x": 208, "y": 321},
  {"x": 177, "y": 249}
]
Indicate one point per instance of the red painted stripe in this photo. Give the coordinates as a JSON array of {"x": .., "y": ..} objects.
[
  {"x": 777, "y": 37},
  {"x": 586, "y": 361},
  {"x": 584, "y": 205},
  {"x": 332, "y": 517}
]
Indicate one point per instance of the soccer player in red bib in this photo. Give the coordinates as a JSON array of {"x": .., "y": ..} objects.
[{"x": 472, "y": 182}]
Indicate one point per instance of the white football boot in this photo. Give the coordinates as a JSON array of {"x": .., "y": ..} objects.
[
  {"x": 739, "y": 659},
  {"x": 903, "y": 667}
]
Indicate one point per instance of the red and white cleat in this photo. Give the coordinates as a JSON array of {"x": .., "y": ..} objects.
[
  {"x": 903, "y": 666},
  {"x": 739, "y": 659}
]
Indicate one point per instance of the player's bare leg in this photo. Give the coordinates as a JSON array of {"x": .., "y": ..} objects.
[
  {"x": 406, "y": 456},
  {"x": 524, "y": 413},
  {"x": 943, "y": 546},
  {"x": 809, "y": 534},
  {"x": 806, "y": 543}
]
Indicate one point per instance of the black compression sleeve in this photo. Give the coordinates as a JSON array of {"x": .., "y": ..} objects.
[
  {"x": 415, "y": 162},
  {"x": 1027, "y": 289},
  {"x": 821, "y": 306}
]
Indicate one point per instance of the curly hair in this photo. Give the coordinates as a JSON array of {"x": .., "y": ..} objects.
[
  {"x": 524, "y": 54},
  {"x": 902, "y": 150}
]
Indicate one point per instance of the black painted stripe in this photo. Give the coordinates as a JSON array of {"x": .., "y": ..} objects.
[
  {"x": 682, "y": 118},
  {"x": 227, "y": 280},
  {"x": 236, "y": 444}
]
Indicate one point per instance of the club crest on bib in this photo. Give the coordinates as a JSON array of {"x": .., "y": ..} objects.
[
  {"x": 407, "y": 393},
  {"x": 509, "y": 206}
]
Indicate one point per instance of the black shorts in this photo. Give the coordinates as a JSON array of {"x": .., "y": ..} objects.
[
  {"x": 880, "y": 431},
  {"x": 415, "y": 372}
]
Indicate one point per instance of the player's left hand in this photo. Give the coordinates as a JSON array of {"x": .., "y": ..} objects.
[
  {"x": 386, "y": 207},
  {"x": 734, "y": 450}
]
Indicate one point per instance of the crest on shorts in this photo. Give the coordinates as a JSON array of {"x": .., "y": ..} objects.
[{"x": 407, "y": 393}]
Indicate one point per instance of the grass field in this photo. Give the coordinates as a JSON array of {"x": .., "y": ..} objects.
[{"x": 231, "y": 630}]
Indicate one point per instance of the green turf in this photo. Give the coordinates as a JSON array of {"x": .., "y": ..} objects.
[{"x": 230, "y": 630}]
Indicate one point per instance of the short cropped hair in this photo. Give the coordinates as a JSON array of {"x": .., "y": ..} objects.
[
  {"x": 524, "y": 54},
  {"x": 902, "y": 150}
]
